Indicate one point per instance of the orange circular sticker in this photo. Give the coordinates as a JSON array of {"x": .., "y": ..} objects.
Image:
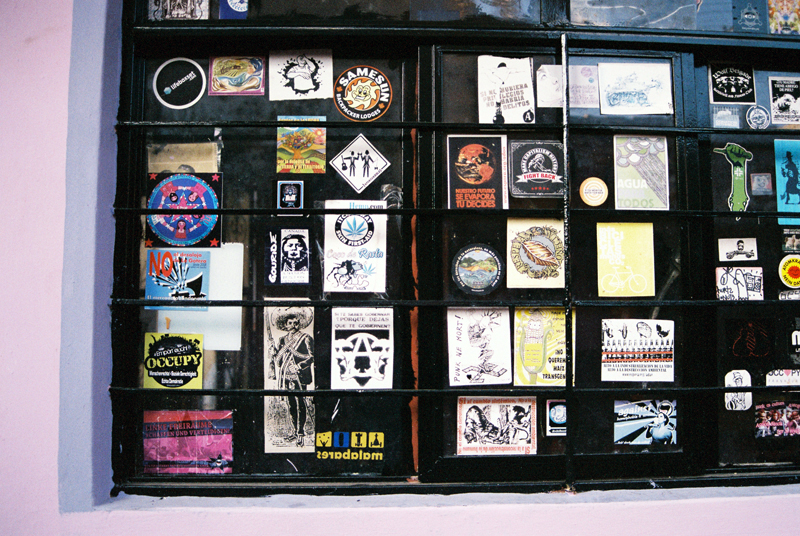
[
  {"x": 789, "y": 271},
  {"x": 594, "y": 191}
]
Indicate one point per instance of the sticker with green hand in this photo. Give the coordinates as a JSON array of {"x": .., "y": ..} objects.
[{"x": 738, "y": 157}]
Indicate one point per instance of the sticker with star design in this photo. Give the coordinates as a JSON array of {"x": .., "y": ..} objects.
[
  {"x": 355, "y": 248},
  {"x": 362, "y": 93},
  {"x": 183, "y": 194}
]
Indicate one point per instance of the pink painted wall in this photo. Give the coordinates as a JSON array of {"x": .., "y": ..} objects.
[{"x": 40, "y": 493}]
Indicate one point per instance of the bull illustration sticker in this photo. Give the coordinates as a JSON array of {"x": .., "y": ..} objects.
[{"x": 362, "y": 348}]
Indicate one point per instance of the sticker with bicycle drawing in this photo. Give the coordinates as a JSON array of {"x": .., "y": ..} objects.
[
  {"x": 740, "y": 283},
  {"x": 625, "y": 261}
]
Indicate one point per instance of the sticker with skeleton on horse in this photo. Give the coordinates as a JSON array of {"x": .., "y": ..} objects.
[
  {"x": 289, "y": 365},
  {"x": 786, "y": 179},
  {"x": 536, "y": 253},
  {"x": 355, "y": 248},
  {"x": 540, "y": 346},
  {"x": 479, "y": 353},
  {"x": 362, "y": 346},
  {"x": 496, "y": 426}
]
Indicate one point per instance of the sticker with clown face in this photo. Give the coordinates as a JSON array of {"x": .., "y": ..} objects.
[{"x": 362, "y": 343}]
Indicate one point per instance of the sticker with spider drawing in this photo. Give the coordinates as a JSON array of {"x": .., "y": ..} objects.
[
  {"x": 489, "y": 426},
  {"x": 478, "y": 349}
]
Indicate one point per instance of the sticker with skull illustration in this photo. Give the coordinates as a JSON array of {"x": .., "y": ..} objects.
[{"x": 362, "y": 345}]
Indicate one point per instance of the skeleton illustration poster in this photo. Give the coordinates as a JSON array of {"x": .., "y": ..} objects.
[
  {"x": 641, "y": 181},
  {"x": 645, "y": 422},
  {"x": 786, "y": 179},
  {"x": 535, "y": 253},
  {"x": 177, "y": 275},
  {"x": 635, "y": 88},
  {"x": 478, "y": 349},
  {"x": 490, "y": 426},
  {"x": 638, "y": 350},
  {"x": 355, "y": 248},
  {"x": 289, "y": 365},
  {"x": 540, "y": 347},
  {"x": 740, "y": 283},
  {"x": 505, "y": 90},
  {"x": 362, "y": 348},
  {"x": 300, "y": 74},
  {"x": 625, "y": 261}
]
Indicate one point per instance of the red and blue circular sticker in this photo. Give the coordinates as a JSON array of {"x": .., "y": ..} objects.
[{"x": 186, "y": 193}]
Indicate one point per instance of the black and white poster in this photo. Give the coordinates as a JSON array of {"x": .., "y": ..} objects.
[
  {"x": 362, "y": 348},
  {"x": 289, "y": 365},
  {"x": 288, "y": 256},
  {"x": 731, "y": 84},
  {"x": 784, "y": 93}
]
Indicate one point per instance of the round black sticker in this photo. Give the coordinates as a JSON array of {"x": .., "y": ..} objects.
[
  {"x": 179, "y": 83},
  {"x": 477, "y": 269}
]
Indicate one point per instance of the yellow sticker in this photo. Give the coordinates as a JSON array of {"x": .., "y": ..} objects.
[{"x": 789, "y": 271}]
